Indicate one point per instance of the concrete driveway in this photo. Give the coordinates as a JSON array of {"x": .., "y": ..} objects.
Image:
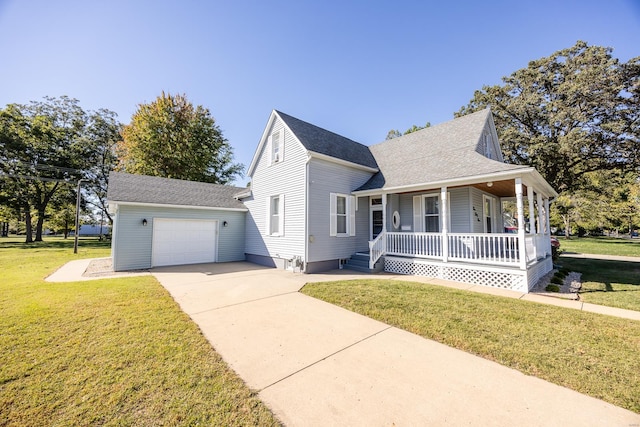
[{"x": 314, "y": 363}]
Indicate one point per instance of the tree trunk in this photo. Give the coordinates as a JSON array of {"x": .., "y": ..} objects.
[
  {"x": 27, "y": 224},
  {"x": 39, "y": 225}
]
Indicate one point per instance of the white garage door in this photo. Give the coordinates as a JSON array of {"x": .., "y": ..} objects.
[{"x": 183, "y": 241}]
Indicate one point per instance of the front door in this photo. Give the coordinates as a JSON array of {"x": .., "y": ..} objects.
[{"x": 376, "y": 222}]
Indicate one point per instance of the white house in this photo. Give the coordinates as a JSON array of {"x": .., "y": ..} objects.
[{"x": 427, "y": 203}]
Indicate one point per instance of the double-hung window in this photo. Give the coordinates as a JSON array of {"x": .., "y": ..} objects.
[
  {"x": 275, "y": 215},
  {"x": 432, "y": 214},
  {"x": 427, "y": 213},
  {"x": 342, "y": 215},
  {"x": 276, "y": 141}
]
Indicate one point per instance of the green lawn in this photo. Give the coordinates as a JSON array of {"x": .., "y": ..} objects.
[
  {"x": 610, "y": 283},
  {"x": 106, "y": 352},
  {"x": 594, "y": 354},
  {"x": 601, "y": 245}
]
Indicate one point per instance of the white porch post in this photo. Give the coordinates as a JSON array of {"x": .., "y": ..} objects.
[
  {"x": 547, "y": 229},
  {"x": 532, "y": 220},
  {"x": 532, "y": 212},
  {"x": 445, "y": 224},
  {"x": 384, "y": 212},
  {"x": 540, "y": 228},
  {"x": 521, "y": 243}
]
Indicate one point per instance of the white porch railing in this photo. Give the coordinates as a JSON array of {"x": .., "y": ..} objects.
[
  {"x": 481, "y": 248},
  {"x": 377, "y": 248}
]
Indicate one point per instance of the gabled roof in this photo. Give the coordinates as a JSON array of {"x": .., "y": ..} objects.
[
  {"x": 128, "y": 188},
  {"x": 322, "y": 141},
  {"x": 435, "y": 154}
]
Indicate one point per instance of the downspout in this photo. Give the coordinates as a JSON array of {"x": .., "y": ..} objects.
[{"x": 306, "y": 214}]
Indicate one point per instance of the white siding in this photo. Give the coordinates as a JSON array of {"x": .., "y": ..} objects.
[
  {"x": 132, "y": 242},
  {"x": 283, "y": 178},
  {"x": 459, "y": 206},
  {"x": 476, "y": 202},
  {"x": 326, "y": 178}
]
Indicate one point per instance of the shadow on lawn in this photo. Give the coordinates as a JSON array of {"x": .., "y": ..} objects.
[
  {"x": 605, "y": 275},
  {"x": 57, "y": 243}
]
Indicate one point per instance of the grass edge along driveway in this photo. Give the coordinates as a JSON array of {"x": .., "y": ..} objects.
[
  {"x": 591, "y": 353},
  {"x": 107, "y": 352}
]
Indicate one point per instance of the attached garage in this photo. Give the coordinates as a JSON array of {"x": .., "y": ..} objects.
[
  {"x": 183, "y": 241},
  {"x": 161, "y": 221}
]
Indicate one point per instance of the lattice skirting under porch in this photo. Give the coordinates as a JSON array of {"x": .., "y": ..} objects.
[{"x": 504, "y": 278}]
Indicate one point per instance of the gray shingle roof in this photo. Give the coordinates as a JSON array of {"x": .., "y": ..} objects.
[
  {"x": 125, "y": 187},
  {"x": 435, "y": 154},
  {"x": 322, "y": 141}
]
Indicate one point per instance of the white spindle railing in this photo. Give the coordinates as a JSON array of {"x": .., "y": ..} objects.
[
  {"x": 487, "y": 248},
  {"x": 418, "y": 245},
  {"x": 377, "y": 248}
]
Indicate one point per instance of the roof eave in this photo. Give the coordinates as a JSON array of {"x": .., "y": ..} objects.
[
  {"x": 117, "y": 203},
  {"x": 316, "y": 155},
  {"x": 542, "y": 185}
]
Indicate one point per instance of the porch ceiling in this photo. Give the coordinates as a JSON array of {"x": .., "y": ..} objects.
[{"x": 506, "y": 188}]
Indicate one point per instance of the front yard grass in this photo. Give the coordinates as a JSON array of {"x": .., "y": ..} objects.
[
  {"x": 106, "y": 352},
  {"x": 605, "y": 282},
  {"x": 593, "y": 354},
  {"x": 601, "y": 245}
]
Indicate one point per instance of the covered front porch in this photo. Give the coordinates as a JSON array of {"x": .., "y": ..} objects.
[{"x": 492, "y": 231}]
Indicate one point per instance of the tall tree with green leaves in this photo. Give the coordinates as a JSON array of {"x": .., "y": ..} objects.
[
  {"x": 42, "y": 148},
  {"x": 103, "y": 135},
  {"x": 171, "y": 138},
  {"x": 568, "y": 114}
]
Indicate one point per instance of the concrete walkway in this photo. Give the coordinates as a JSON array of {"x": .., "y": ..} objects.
[
  {"x": 317, "y": 364},
  {"x": 314, "y": 363},
  {"x": 598, "y": 256}
]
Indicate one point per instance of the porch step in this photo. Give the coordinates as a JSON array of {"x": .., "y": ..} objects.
[{"x": 360, "y": 262}]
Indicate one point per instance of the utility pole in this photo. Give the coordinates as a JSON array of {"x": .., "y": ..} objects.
[{"x": 75, "y": 243}]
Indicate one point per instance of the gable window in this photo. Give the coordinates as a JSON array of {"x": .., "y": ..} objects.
[
  {"x": 342, "y": 215},
  {"x": 277, "y": 146},
  {"x": 275, "y": 215},
  {"x": 488, "y": 152}
]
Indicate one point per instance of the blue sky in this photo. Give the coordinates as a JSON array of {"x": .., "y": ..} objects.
[{"x": 358, "y": 68}]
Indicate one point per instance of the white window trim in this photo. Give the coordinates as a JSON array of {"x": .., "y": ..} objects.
[
  {"x": 278, "y": 142},
  {"x": 281, "y": 205},
  {"x": 492, "y": 202},
  {"x": 350, "y": 212},
  {"x": 419, "y": 214}
]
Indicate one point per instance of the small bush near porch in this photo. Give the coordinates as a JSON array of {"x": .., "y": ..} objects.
[
  {"x": 593, "y": 354},
  {"x": 105, "y": 352}
]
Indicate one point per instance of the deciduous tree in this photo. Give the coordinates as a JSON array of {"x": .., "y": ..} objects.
[
  {"x": 171, "y": 138},
  {"x": 568, "y": 114}
]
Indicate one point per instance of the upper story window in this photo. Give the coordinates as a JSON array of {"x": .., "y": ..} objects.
[
  {"x": 277, "y": 146},
  {"x": 488, "y": 148}
]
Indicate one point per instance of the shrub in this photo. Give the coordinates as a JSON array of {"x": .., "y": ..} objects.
[
  {"x": 561, "y": 274},
  {"x": 552, "y": 288},
  {"x": 557, "y": 280}
]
